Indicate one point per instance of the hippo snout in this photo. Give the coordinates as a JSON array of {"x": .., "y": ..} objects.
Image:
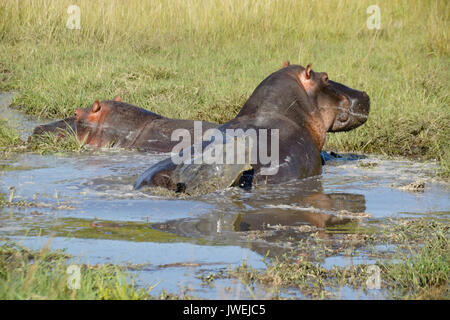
[
  {"x": 356, "y": 111},
  {"x": 360, "y": 107}
]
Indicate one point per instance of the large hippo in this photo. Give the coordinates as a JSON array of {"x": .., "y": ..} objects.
[
  {"x": 154, "y": 140},
  {"x": 295, "y": 103},
  {"x": 119, "y": 124}
]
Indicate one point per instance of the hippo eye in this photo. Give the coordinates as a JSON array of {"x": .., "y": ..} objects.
[{"x": 325, "y": 79}]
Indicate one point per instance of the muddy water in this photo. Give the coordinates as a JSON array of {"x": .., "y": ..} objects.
[{"x": 86, "y": 205}]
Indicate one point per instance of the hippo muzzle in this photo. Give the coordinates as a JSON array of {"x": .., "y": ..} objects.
[{"x": 354, "y": 111}]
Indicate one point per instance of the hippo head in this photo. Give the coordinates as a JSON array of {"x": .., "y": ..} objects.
[
  {"x": 88, "y": 124},
  {"x": 94, "y": 123},
  {"x": 309, "y": 99},
  {"x": 112, "y": 123},
  {"x": 341, "y": 108}
]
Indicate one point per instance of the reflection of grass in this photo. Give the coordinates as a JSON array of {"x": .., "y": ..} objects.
[
  {"x": 7, "y": 167},
  {"x": 130, "y": 231},
  {"x": 94, "y": 229},
  {"x": 201, "y": 61},
  {"x": 352, "y": 227},
  {"x": 434, "y": 213}
]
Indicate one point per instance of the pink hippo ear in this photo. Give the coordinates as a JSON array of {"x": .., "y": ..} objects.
[
  {"x": 308, "y": 71},
  {"x": 118, "y": 99},
  {"x": 96, "y": 106},
  {"x": 305, "y": 78},
  {"x": 286, "y": 64}
]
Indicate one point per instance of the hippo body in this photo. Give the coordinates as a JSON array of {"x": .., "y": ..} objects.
[
  {"x": 302, "y": 105},
  {"x": 119, "y": 124},
  {"x": 161, "y": 143}
]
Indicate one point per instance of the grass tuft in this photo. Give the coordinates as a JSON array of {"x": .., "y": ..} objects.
[{"x": 27, "y": 274}]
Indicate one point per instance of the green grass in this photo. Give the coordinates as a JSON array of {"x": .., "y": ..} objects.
[
  {"x": 422, "y": 273},
  {"x": 9, "y": 140},
  {"x": 418, "y": 269},
  {"x": 193, "y": 59},
  {"x": 201, "y": 60},
  {"x": 8, "y": 137},
  {"x": 53, "y": 143},
  {"x": 43, "y": 144},
  {"x": 26, "y": 274}
]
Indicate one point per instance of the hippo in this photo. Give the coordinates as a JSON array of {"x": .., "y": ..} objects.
[
  {"x": 61, "y": 127},
  {"x": 164, "y": 144},
  {"x": 296, "y": 105},
  {"x": 104, "y": 131},
  {"x": 116, "y": 123}
]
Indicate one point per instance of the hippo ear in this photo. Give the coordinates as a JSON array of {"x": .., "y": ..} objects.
[
  {"x": 117, "y": 98},
  {"x": 308, "y": 71},
  {"x": 286, "y": 64},
  {"x": 96, "y": 106}
]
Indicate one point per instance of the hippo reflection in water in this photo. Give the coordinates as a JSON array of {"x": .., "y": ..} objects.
[
  {"x": 300, "y": 104},
  {"x": 274, "y": 215}
]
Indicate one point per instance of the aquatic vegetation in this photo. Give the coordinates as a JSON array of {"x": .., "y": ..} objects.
[
  {"x": 25, "y": 274},
  {"x": 9, "y": 140},
  {"x": 47, "y": 143},
  {"x": 421, "y": 273},
  {"x": 419, "y": 269},
  {"x": 7, "y": 135}
]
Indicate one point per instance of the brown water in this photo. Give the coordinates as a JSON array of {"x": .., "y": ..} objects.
[{"x": 88, "y": 204}]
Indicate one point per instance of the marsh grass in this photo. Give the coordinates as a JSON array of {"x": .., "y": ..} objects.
[
  {"x": 26, "y": 274},
  {"x": 418, "y": 269},
  {"x": 310, "y": 278},
  {"x": 9, "y": 141},
  {"x": 202, "y": 59},
  {"x": 422, "y": 266},
  {"x": 422, "y": 274},
  {"x": 8, "y": 137},
  {"x": 65, "y": 141}
]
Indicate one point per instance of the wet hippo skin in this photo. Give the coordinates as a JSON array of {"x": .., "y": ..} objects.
[
  {"x": 302, "y": 105},
  {"x": 119, "y": 124},
  {"x": 62, "y": 126},
  {"x": 122, "y": 122}
]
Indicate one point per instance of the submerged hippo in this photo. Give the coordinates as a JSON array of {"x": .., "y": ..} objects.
[
  {"x": 151, "y": 132},
  {"x": 160, "y": 142},
  {"x": 296, "y": 105},
  {"x": 116, "y": 123}
]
